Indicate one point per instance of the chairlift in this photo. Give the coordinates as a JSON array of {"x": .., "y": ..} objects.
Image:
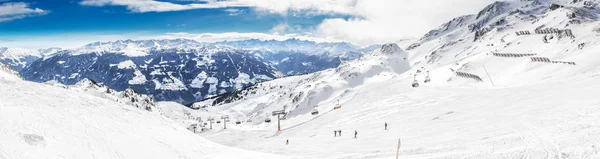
[
  {"x": 338, "y": 106},
  {"x": 238, "y": 122},
  {"x": 427, "y": 79},
  {"x": 314, "y": 112},
  {"x": 218, "y": 121},
  {"x": 268, "y": 120},
  {"x": 415, "y": 82}
]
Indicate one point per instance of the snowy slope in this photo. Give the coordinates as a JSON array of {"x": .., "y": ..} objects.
[
  {"x": 128, "y": 96},
  {"x": 532, "y": 109},
  {"x": 43, "y": 121},
  {"x": 18, "y": 58},
  {"x": 468, "y": 43}
]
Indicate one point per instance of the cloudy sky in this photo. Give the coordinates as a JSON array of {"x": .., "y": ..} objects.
[{"x": 72, "y": 23}]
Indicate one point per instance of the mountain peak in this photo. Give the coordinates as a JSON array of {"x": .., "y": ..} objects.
[{"x": 390, "y": 48}]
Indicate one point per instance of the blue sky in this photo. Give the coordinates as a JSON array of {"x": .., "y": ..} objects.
[
  {"x": 70, "y": 23},
  {"x": 68, "y": 16}
]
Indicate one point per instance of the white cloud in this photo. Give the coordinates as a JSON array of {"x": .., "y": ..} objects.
[
  {"x": 232, "y": 36},
  {"x": 389, "y": 20},
  {"x": 18, "y": 10},
  {"x": 285, "y": 28},
  {"x": 160, "y": 6},
  {"x": 234, "y": 12},
  {"x": 374, "y": 21}
]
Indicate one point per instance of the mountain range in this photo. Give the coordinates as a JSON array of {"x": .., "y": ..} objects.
[{"x": 180, "y": 70}]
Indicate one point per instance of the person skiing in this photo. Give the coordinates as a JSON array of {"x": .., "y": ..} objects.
[
  {"x": 287, "y": 141},
  {"x": 355, "y": 133},
  {"x": 385, "y": 125},
  {"x": 334, "y": 133},
  {"x": 340, "y": 132}
]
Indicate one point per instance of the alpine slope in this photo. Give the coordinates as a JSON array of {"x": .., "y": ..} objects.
[
  {"x": 46, "y": 121},
  {"x": 516, "y": 80}
]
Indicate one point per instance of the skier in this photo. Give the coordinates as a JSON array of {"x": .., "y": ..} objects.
[
  {"x": 334, "y": 133},
  {"x": 340, "y": 132},
  {"x": 355, "y": 133},
  {"x": 287, "y": 141},
  {"x": 385, "y": 125}
]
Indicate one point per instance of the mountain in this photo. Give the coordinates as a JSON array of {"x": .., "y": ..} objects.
[
  {"x": 295, "y": 56},
  {"x": 9, "y": 73},
  {"x": 129, "y": 96},
  {"x": 18, "y": 58},
  {"x": 298, "y": 95},
  {"x": 171, "y": 70},
  {"x": 42, "y": 121},
  {"x": 516, "y": 80}
]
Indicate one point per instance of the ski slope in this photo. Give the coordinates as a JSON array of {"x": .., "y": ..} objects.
[
  {"x": 520, "y": 109},
  {"x": 554, "y": 120},
  {"x": 44, "y": 121}
]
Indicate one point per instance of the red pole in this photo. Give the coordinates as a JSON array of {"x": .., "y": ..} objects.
[
  {"x": 398, "y": 150},
  {"x": 278, "y": 125}
]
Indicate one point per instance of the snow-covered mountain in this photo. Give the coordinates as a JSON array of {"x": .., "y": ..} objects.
[
  {"x": 43, "y": 121},
  {"x": 295, "y": 56},
  {"x": 516, "y": 80},
  {"x": 9, "y": 72},
  {"x": 173, "y": 70},
  {"x": 298, "y": 95},
  {"x": 128, "y": 96},
  {"x": 18, "y": 58}
]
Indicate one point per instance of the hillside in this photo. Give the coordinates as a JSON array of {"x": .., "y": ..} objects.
[
  {"x": 43, "y": 121},
  {"x": 516, "y": 80}
]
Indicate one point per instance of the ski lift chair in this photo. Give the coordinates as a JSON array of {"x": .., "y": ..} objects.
[
  {"x": 238, "y": 122},
  {"x": 338, "y": 106},
  {"x": 427, "y": 79},
  {"x": 218, "y": 122},
  {"x": 314, "y": 112},
  {"x": 268, "y": 120},
  {"x": 415, "y": 82}
]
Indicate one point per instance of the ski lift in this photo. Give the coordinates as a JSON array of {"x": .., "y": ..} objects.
[
  {"x": 314, "y": 112},
  {"x": 218, "y": 121},
  {"x": 238, "y": 122},
  {"x": 268, "y": 120},
  {"x": 427, "y": 79},
  {"x": 415, "y": 82},
  {"x": 338, "y": 106}
]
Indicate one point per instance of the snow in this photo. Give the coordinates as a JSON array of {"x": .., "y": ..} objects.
[
  {"x": 60, "y": 62},
  {"x": 521, "y": 109},
  {"x": 169, "y": 83},
  {"x": 532, "y": 110},
  {"x": 198, "y": 82},
  {"x": 17, "y": 53},
  {"x": 63, "y": 123},
  {"x": 126, "y": 65},
  {"x": 139, "y": 78}
]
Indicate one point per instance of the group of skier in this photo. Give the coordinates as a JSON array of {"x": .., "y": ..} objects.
[{"x": 339, "y": 133}]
